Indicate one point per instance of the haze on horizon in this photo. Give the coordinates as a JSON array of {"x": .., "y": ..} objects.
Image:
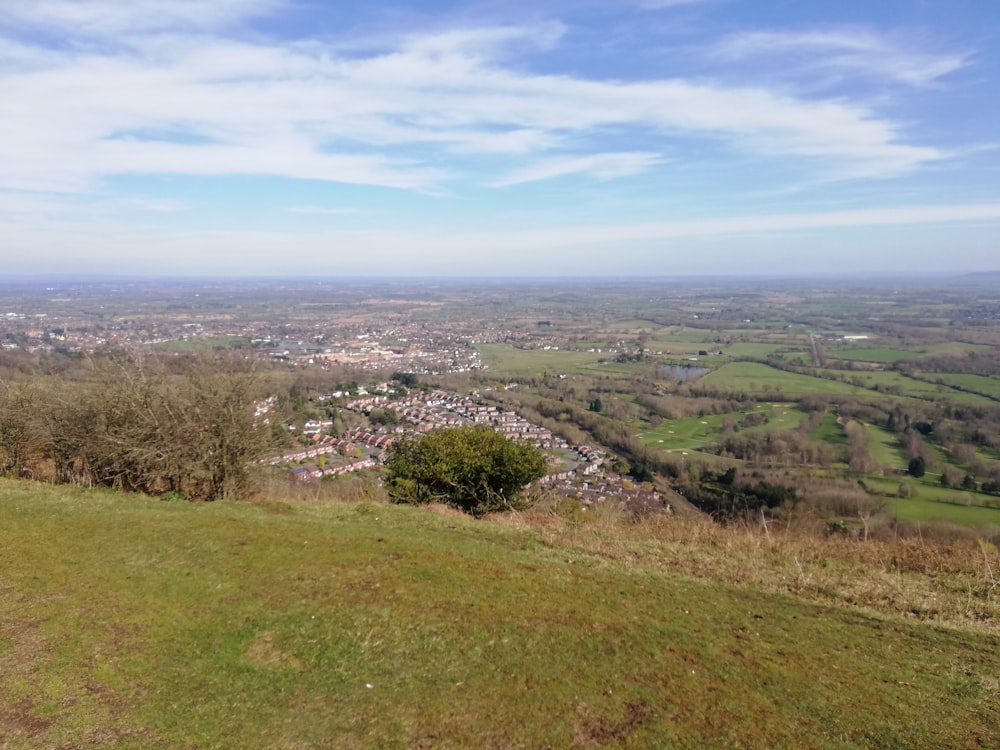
[{"x": 641, "y": 137}]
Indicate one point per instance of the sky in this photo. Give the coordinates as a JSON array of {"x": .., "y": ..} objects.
[{"x": 499, "y": 138}]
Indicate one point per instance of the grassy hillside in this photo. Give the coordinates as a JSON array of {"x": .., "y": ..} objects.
[{"x": 127, "y": 622}]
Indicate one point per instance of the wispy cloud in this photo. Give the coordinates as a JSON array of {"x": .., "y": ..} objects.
[
  {"x": 324, "y": 211},
  {"x": 425, "y": 111},
  {"x": 739, "y": 225},
  {"x": 845, "y": 50},
  {"x": 659, "y": 4},
  {"x": 485, "y": 41},
  {"x": 103, "y": 17},
  {"x": 440, "y": 251},
  {"x": 602, "y": 166},
  {"x": 156, "y": 205}
]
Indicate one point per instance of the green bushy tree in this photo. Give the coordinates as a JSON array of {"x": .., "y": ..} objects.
[{"x": 473, "y": 468}]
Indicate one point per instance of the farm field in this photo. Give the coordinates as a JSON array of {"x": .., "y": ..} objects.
[
  {"x": 917, "y": 388},
  {"x": 680, "y": 335},
  {"x": 930, "y": 502},
  {"x": 673, "y": 347},
  {"x": 755, "y": 349},
  {"x": 128, "y": 622},
  {"x": 509, "y": 359},
  {"x": 758, "y": 378},
  {"x": 923, "y": 510},
  {"x": 887, "y": 354},
  {"x": 978, "y": 383},
  {"x": 207, "y": 343}
]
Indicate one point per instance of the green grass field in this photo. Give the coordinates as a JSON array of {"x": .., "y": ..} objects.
[
  {"x": 884, "y": 448},
  {"x": 692, "y": 433},
  {"x": 132, "y": 623},
  {"x": 829, "y": 430},
  {"x": 686, "y": 434},
  {"x": 681, "y": 335},
  {"x": 633, "y": 325},
  {"x": 758, "y": 378},
  {"x": 931, "y": 502},
  {"x": 880, "y": 354},
  {"x": 884, "y": 354},
  {"x": 509, "y": 359},
  {"x": 895, "y": 381},
  {"x": 781, "y": 417},
  {"x": 978, "y": 383},
  {"x": 207, "y": 343},
  {"x": 673, "y": 347},
  {"x": 755, "y": 349}
]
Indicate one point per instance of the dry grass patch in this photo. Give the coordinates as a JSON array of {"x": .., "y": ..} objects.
[
  {"x": 262, "y": 651},
  {"x": 948, "y": 583}
]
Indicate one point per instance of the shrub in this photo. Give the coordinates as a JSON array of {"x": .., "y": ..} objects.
[{"x": 473, "y": 468}]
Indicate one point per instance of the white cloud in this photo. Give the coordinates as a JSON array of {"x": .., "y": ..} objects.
[
  {"x": 660, "y": 4},
  {"x": 106, "y": 17},
  {"x": 431, "y": 109},
  {"x": 29, "y": 204},
  {"x": 743, "y": 225},
  {"x": 484, "y": 42},
  {"x": 602, "y": 166},
  {"x": 846, "y": 50},
  {"x": 556, "y": 249},
  {"x": 156, "y": 205},
  {"x": 323, "y": 211}
]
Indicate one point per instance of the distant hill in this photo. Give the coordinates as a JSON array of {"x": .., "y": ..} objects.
[{"x": 128, "y": 622}]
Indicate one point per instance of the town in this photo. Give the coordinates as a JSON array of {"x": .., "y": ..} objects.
[{"x": 574, "y": 472}]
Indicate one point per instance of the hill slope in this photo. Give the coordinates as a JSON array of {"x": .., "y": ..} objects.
[{"x": 135, "y": 623}]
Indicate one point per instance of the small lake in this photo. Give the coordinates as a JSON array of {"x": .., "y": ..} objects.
[{"x": 683, "y": 372}]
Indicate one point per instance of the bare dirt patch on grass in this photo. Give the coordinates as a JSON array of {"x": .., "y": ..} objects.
[{"x": 264, "y": 652}]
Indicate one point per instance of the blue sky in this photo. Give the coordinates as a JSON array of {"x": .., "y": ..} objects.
[{"x": 583, "y": 137}]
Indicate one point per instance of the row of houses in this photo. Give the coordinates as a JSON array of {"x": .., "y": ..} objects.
[
  {"x": 380, "y": 440},
  {"x": 324, "y": 446},
  {"x": 442, "y": 409},
  {"x": 308, "y": 473}
]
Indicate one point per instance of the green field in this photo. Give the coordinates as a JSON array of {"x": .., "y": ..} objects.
[
  {"x": 130, "y": 623},
  {"x": 978, "y": 383},
  {"x": 509, "y": 359},
  {"x": 874, "y": 354},
  {"x": 684, "y": 434},
  {"x": 884, "y": 448},
  {"x": 927, "y": 510},
  {"x": 758, "y": 378},
  {"x": 633, "y": 325},
  {"x": 782, "y": 417},
  {"x": 754, "y": 349},
  {"x": 829, "y": 430},
  {"x": 682, "y": 335},
  {"x": 895, "y": 382},
  {"x": 892, "y": 354},
  {"x": 931, "y": 502},
  {"x": 207, "y": 343},
  {"x": 673, "y": 347},
  {"x": 692, "y": 433}
]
